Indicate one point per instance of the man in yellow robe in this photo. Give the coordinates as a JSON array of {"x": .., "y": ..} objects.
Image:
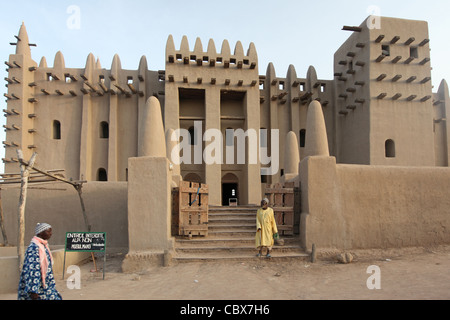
[{"x": 266, "y": 228}]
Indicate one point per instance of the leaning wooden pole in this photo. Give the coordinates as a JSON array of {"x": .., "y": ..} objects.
[
  {"x": 2, "y": 222},
  {"x": 79, "y": 187},
  {"x": 24, "y": 173}
]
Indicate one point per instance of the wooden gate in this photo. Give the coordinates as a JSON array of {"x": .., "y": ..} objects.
[
  {"x": 190, "y": 209},
  {"x": 285, "y": 202}
]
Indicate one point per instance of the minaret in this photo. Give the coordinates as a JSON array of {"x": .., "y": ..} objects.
[
  {"x": 21, "y": 100},
  {"x": 316, "y": 143}
]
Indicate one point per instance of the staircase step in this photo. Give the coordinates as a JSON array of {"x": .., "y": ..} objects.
[
  {"x": 241, "y": 257},
  {"x": 231, "y": 237}
]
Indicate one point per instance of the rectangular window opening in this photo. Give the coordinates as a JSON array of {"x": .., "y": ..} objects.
[{"x": 414, "y": 52}]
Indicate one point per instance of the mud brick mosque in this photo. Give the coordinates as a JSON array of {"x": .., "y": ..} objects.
[{"x": 385, "y": 132}]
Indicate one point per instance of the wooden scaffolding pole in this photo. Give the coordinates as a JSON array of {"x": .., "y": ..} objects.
[
  {"x": 24, "y": 173},
  {"x": 2, "y": 221}
]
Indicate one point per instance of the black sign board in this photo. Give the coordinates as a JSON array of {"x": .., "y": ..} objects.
[{"x": 85, "y": 241}]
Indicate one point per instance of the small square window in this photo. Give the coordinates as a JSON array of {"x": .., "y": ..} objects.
[
  {"x": 414, "y": 52},
  {"x": 386, "y": 50}
]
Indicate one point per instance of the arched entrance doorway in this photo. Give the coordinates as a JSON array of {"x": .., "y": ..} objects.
[
  {"x": 230, "y": 189},
  {"x": 193, "y": 177}
]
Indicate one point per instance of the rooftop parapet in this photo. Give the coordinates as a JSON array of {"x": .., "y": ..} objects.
[{"x": 211, "y": 57}]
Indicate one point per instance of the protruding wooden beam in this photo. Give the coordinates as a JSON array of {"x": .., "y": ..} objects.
[
  {"x": 45, "y": 92},
  {"x": 132, "y": 88},
  {"x": 395, "y": 39},
  {"x": 343, "y": 112},
  {"x": 360, "y": 63},
  {"x": 381, "y": 95},
  {"x": 199, "y": 80},
  {"x": 381, "y": 77},
  {"x": 409, "y": 41},
  {"x": 240, "y": 82},
  {"x": 361, "y": 101},
  {"x": 32, "y": 100},
  {"x": 396, "y": 59},
  {"x": 352, "y": 28},
  {"x": 425, "y": 80},
  {"x": 424, "y": 61},
  {"x": 171, "y": 78},
  {"x": 227, "y": 82},
  {"x": 396, "y": 96},
  {"x": 424, "y": 42},
  {"x": 380, "y": 38},
  {"x": 411, "y": 97},
  {"x": 411, "y": 79},
  {"x": 102, "y": 85},
  {"x": 408, "y": 61},
  {"x": 120, "y": 88},
  {"x": 396, "y": 78},
  {"x": 360, "y": 45},
  {"x": 185, "y": 79},
  {"x": 213, "y": 80},
  {"x": 73, "y": 93},
  {"x": 59, "y": 92},
  {"x": 351, "y": 107},
  {"x": 426, "y": 98},
  {"x": 380, "y": 58}
]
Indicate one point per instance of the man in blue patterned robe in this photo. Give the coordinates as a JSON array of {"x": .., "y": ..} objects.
[{"x": 37, "y": 281}]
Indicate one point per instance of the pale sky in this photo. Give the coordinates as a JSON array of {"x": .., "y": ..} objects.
[{"x": 297, "y": 32}]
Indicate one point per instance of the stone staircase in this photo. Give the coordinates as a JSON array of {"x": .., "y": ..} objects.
[{"x": 231, "y": 237}]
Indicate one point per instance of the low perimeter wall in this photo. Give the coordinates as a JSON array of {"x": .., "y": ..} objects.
[
  {"x": 59, "y": 205},
  {"x": 362, "y": 207}
]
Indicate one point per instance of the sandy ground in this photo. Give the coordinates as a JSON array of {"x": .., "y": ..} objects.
[{"x": 406, "y": 274}]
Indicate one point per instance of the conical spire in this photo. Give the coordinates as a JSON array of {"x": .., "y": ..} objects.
[
  {"x": 43, "y": 63},
  {"x": 23, "y": 42},
  {"x": 152, "y": 137},
  {"x": 316, "y": 143},
  {"x": 292, "y": 154}
]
